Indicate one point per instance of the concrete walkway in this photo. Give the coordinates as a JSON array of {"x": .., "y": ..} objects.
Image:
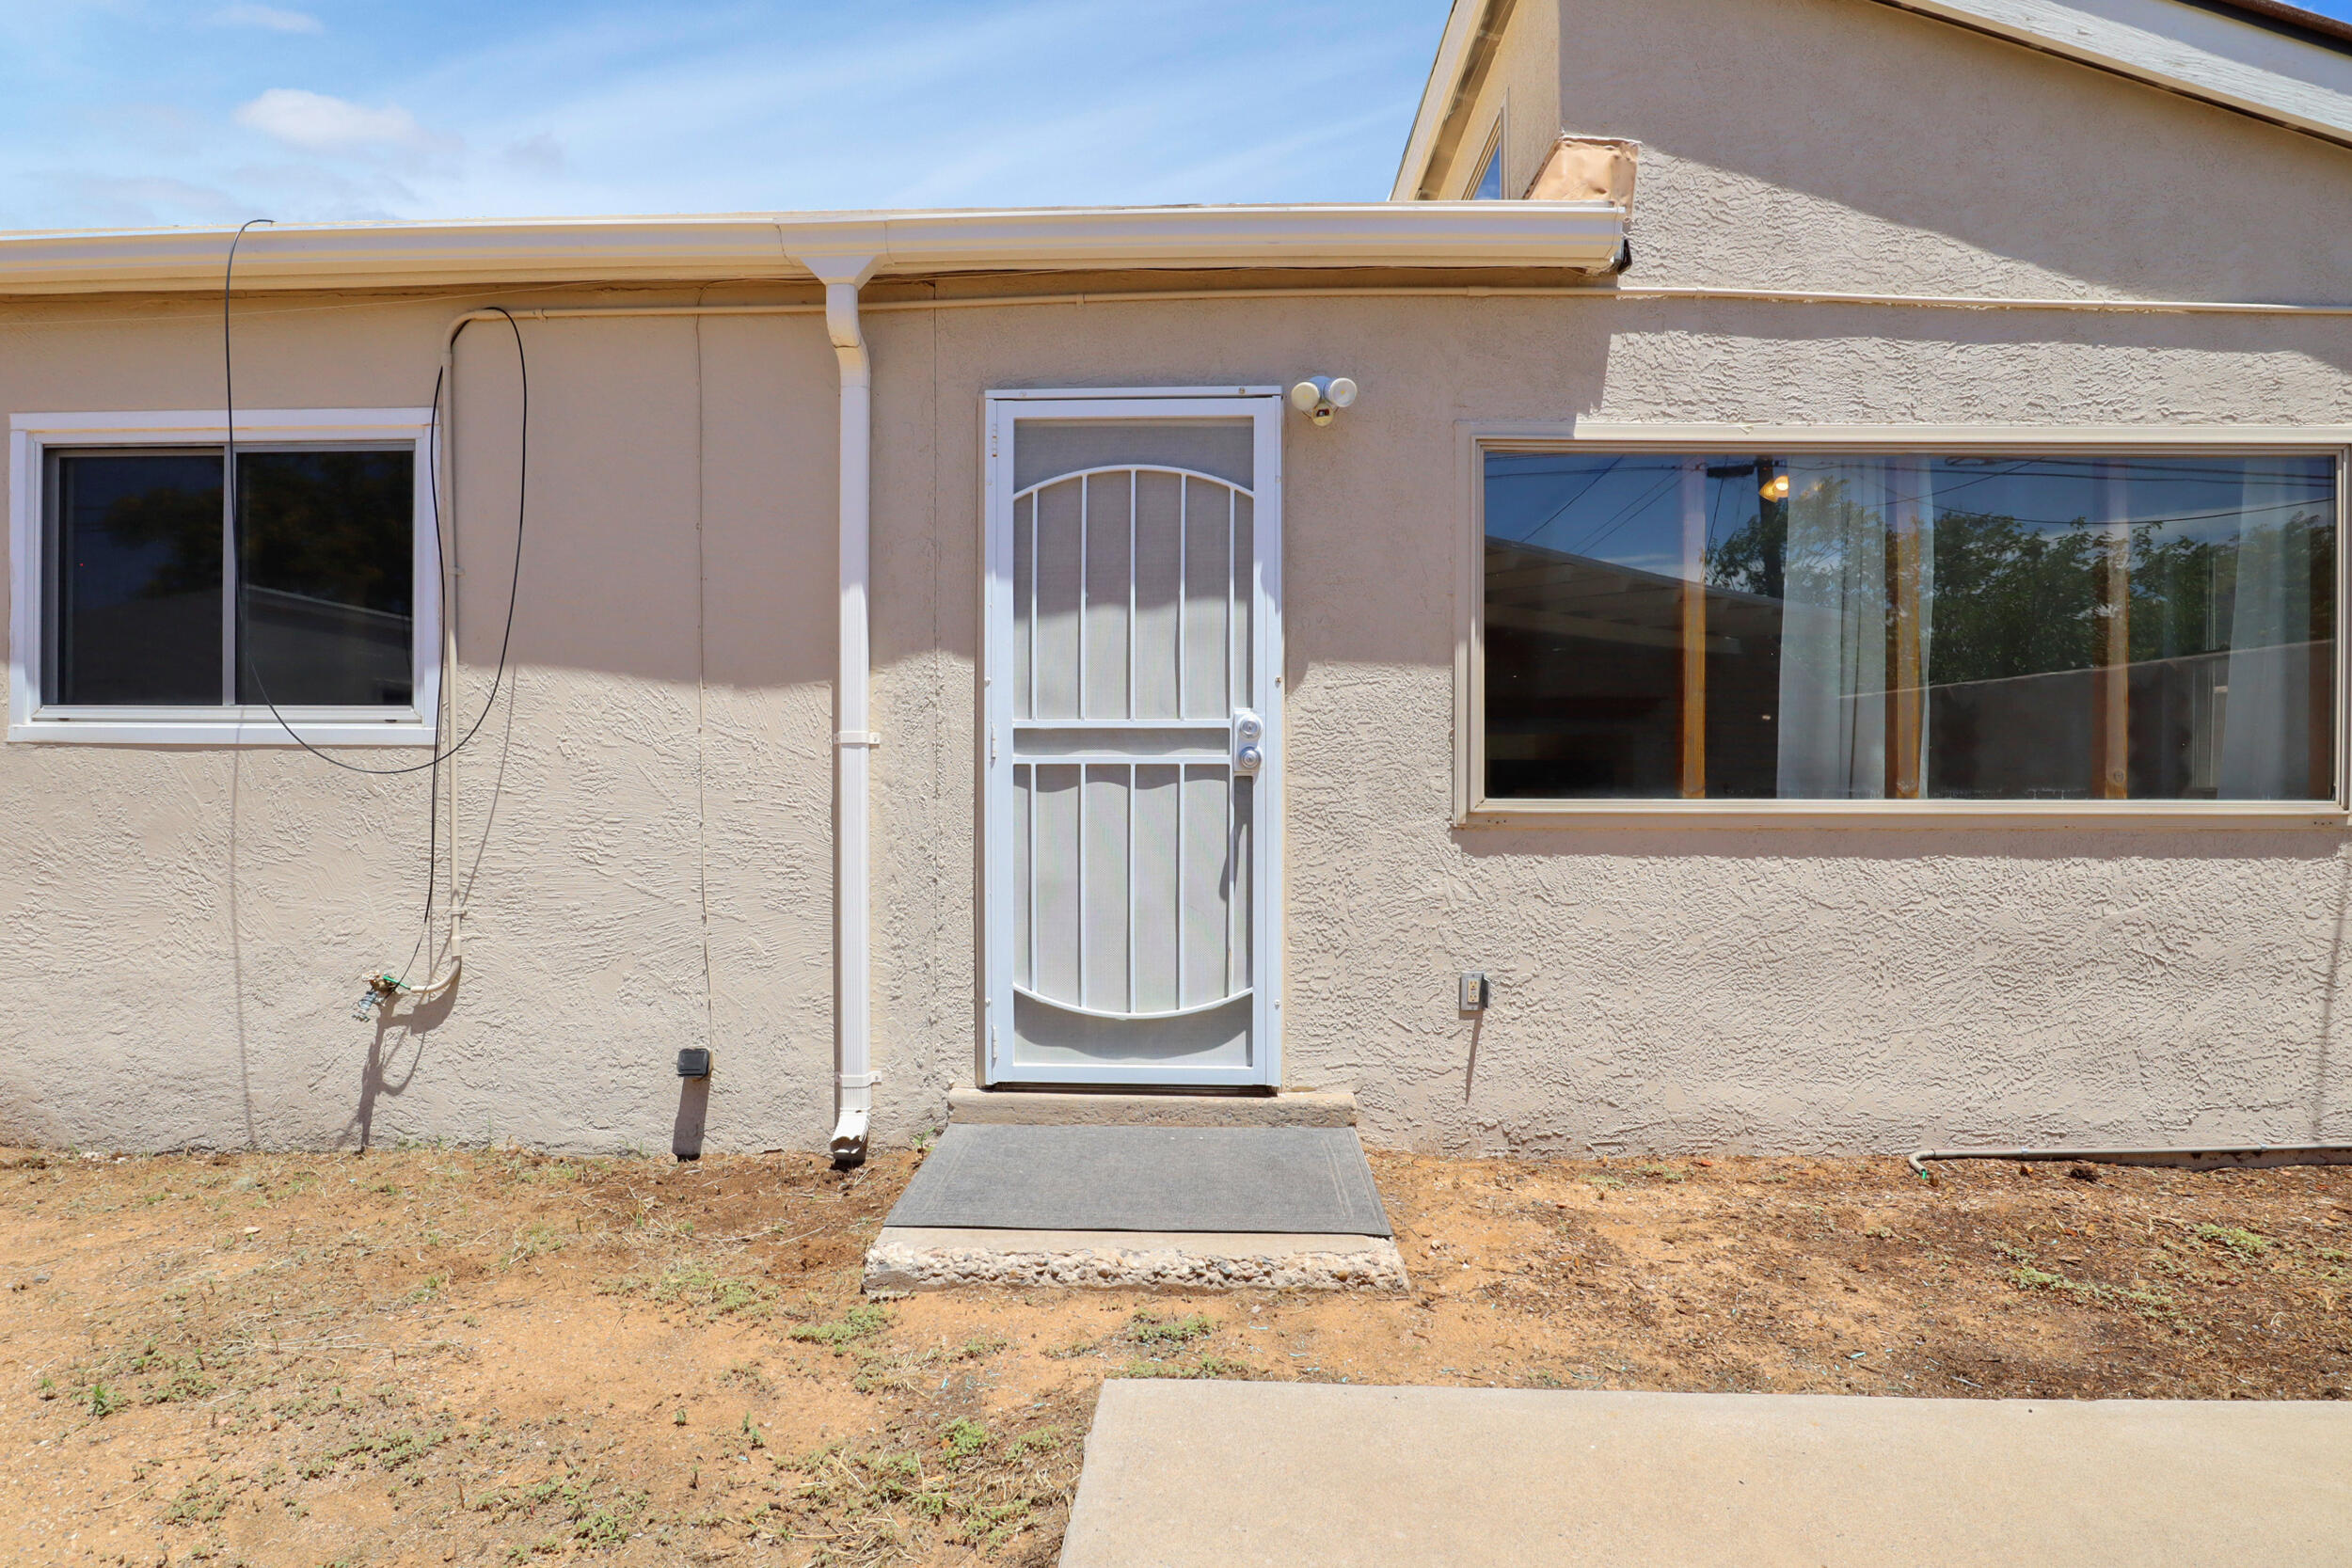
[{"x": 1318, "y": 1475}]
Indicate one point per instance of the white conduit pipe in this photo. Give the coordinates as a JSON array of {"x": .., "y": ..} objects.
[
  {"x": 2197, "y": 1157},
  {"x": 854, "y": 739}
]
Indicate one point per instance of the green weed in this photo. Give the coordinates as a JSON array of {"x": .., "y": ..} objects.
[
  {"x": 858, "y": 1322},
  {"x": 200, "y": 1502},
  {"x": 2246, "y": 1243},
  {"x": 691, "y": 1285},
  {"x": 1215, "y": 1367},
  {"x": 878, "y": 1371},
  {"x": 531, "y": 1240},
  {"x": 1144, "y": 1329},
  {"x": 389, "y": 1450}
]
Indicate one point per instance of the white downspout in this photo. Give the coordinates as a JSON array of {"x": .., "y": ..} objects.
[{"x": 854, "y": 739}]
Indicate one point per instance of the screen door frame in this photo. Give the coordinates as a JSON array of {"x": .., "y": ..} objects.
[{"x": 1002, "y": 412}]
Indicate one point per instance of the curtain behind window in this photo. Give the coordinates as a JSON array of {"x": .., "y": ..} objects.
[
  {"x": 1833, "y": 648},
  {"x": 2266, "y": 744},
  {"x": 1855, "y": 632}
]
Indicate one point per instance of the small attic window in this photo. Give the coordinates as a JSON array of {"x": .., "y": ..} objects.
[{"x": 1488, "y": 185}]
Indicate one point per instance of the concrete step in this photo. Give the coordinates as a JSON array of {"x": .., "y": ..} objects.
[
  {"x": 1127, "y": 1206},
  {"x": 905, "y": 1259},
  {"x": 975, "y": 1106}
]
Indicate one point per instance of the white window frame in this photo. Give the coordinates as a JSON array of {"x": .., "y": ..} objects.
[
  {"x": 1473, "y": 808},
  {"x": 1491, "y": 151},
  {"x": 33, "y": 436}
]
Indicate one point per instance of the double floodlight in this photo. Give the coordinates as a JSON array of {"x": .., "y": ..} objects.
[{"x": 1319, "y": 397}]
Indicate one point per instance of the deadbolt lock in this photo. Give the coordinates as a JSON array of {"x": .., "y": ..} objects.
[{"x": 1248, "y": 730}]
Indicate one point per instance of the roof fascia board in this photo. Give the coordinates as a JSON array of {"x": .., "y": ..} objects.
[
  {"x": 2193, "y": 50},
  {"x": 797, "y": 246},
  {"x": 1463, "y": 27}
]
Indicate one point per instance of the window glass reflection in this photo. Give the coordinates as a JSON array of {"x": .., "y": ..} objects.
[
  {"x": 135, "y": 580},
  {"x": 1833, "y": 626},
  {"x": 324, "y": 574}
]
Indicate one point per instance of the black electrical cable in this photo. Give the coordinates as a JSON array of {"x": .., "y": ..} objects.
[
  {"x": 522, "y": 481},
  {"x": 433, "y": 814}
]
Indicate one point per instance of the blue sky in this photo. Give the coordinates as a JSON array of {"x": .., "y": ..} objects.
[
  {"x": 122, "y": 113},
  {"x": 133, "y": 113}
]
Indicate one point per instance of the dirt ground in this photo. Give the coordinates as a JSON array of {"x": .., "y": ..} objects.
[{"x": 435, "y": 1355}]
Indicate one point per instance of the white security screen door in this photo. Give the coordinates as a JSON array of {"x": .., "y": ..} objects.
[{"x": 1133, "y": 748}]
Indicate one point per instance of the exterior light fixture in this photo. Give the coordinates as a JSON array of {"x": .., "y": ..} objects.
[
  {"x": 1774, "y": 488},
  {"x": 1319, "y": 397}
]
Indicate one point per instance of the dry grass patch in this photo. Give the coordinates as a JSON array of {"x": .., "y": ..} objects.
[{"x": 487, "y": 1355}]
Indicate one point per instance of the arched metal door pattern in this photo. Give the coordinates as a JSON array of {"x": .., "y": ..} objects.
[{"x": 1133, "y": 754}]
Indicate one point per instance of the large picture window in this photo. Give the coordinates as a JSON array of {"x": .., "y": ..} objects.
[
  {"x": 1922, "y": 626},
  {"x": 154, "y": 616}
]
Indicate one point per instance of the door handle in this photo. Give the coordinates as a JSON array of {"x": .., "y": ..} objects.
[{"x": 1249, "y": 742}]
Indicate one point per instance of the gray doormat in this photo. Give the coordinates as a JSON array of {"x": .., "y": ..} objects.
[{"x": 1309, "y": 1180}]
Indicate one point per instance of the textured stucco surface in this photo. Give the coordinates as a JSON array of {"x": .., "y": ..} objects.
[
  {"x": 1846, "y": 144},
  {"x": 182, "y": 927}
]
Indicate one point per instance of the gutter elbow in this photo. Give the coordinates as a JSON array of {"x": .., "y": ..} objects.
[
  {"x": 847, "y": 332},
  {"x": 847, "y": 1146}
]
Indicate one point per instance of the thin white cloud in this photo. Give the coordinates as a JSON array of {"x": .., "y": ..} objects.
[
  {"x": 273, "y": 19},
  {"x": 1022, "y": 101},
  {"x": 317, "y": 123},
  {"x": 711, "y": 106}
]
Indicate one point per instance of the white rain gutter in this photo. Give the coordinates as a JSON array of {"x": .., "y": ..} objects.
[
  {"x": 1579, "y": 235},
  {"x": 854, "y": 739}
]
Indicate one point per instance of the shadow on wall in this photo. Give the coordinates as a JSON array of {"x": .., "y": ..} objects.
[
  {"x": 26, "y": 1121},
  {"x": 680, "y": 529},
  {"x": 376, "y": 1079},
  {"x": 693, "y": 1108}
]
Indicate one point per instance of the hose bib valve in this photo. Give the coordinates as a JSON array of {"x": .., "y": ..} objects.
[{"x": 381, "y": 990}]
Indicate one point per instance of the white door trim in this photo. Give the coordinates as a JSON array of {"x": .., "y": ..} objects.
[{"x": 1000, "y": 412}]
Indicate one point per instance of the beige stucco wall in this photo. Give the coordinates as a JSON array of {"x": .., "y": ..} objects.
[
  {"x": 1670, "y": 988},
  {"x": 184, "y": 928},
  {"x": 180, "y": 927},
  {"x": 1846, "y": 144}
]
